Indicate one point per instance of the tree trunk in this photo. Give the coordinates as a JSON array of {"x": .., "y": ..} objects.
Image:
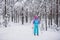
[{"x": 57, "y": 12}]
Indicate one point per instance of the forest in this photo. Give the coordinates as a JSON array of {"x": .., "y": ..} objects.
[{"x": 48, "y": 12}]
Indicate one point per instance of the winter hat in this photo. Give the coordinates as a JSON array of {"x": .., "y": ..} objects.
[{"x": 36, "y": 17}]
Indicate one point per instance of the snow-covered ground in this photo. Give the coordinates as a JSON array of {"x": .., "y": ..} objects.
[{"x": 17, "y": 31}]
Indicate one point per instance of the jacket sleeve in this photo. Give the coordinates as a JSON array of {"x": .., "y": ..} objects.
[{"x": 33, "y": 22}]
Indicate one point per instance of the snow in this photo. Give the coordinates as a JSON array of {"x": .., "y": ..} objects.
[
  {"x": 17, "y": 4},
  {"x": 17, "y": 31}
]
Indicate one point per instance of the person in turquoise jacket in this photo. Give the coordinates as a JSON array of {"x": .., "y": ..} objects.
[{"x": 36, "y": 22}]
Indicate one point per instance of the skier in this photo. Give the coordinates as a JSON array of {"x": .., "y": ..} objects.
[{"x": 36, "y": 22}]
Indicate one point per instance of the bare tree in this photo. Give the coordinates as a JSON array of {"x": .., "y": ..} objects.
[{"x": 57, "y": 12}]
